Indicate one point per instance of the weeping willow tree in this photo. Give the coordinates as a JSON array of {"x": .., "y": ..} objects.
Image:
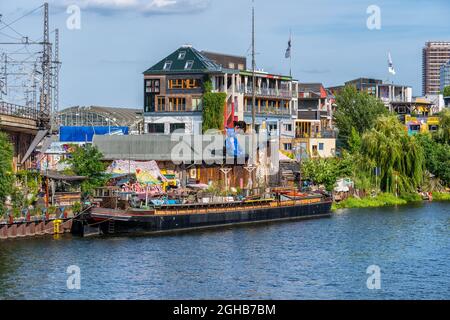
[
  {"x": 443, "y": 134},
  {"x": 399, "y": 156}
]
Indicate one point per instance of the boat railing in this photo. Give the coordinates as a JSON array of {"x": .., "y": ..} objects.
[{"x": 202, "y": 208}]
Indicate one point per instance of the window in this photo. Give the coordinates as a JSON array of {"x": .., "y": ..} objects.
[
  {"x": 197, "y": 104},
  {"x": 287, "y": 127},
  {"x": 177, "y": 104},
  {"x": 433, "y": 128},
  {"x": 288, "y": 146},
  {"x": 149, "y": 103},
  {"x": 314, "y": 149},
  {"x": 189, "y": 64},
  {"x": 161, "y": 104},
  {"x": 179, "y": 127},
  {"x": 321, "y": 146},
  {"x": 184, "y": 84},
  {"x": 152, "y": 86},
  {"x": 181, "y": 55},
  {"x": 167, "y": 65},
  {"x": 155, "y": 128},
  {"x": 231, "y": 65}
]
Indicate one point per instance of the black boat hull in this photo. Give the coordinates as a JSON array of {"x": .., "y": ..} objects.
[{"x": 158, "y": 224}]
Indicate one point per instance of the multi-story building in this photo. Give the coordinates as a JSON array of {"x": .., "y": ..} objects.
[
  {"x": 368, "y": 85},
  {"x": 314, "y": 131},
  {"x": 174, "y": 91},
  {"x": 445, "y": 76},
  {"x": 435, "y": 54},
  {"x": 390, "y": 94}
]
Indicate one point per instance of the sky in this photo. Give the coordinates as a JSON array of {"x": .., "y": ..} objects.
[{"x": 103, "y": 60}]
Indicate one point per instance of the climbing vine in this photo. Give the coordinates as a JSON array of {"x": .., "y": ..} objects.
[{"x": 213, "y": 108}]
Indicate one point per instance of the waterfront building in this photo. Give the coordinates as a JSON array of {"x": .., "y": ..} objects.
[
  {"x": 390, "y": 94},
  {"x": 314, "y": 131},
  {"x": 445, "y": 76},
  {"x": 434, "y": 56},
  {"x": 174, "y": 91},
  {"x": 368, "y": 85}
]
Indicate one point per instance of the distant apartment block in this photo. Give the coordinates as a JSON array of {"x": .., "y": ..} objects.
[
  {"x": 435, "y": 55},
  {"x": 445, "y": 76}
]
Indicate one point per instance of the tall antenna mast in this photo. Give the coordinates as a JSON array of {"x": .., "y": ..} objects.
[
  {"x": 45, "y": 100},
  {"x": 57, "y": 65},
  {"x": 253, "y": 71}
]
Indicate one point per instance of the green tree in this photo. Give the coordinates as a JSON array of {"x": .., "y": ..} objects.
[
  {"x": 446, "y": 91},
  {"x": 357, "y": 110},
  {"x": 6, "y": 169},
  {"x": 437, "y": 158},
  {"x": 354, "y": 141},
  {"x": 87, "y": 161},
  {"x": 443, "y": 134},
  {"x": 326, "y": 171},
  {"x": 399, "y": 156}
]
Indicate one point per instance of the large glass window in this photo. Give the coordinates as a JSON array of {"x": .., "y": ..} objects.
[
  {"x": 184, "y": 84},
  {"x": 152, "y": 86},
  {"x": 177, "y": 104},
  {"x": 161, "y": 104},
  {"x": 149, "y": 103}
]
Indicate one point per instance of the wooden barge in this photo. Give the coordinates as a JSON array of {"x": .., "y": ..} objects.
[{"x": 187, "y": 217}]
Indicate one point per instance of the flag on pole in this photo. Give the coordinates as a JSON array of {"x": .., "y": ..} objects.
[
  {"x": 391, "y": 64},
  {"x": 288, "y": 50}
]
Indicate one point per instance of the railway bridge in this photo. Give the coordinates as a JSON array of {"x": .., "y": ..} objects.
[{"x": 22, "y": 126}]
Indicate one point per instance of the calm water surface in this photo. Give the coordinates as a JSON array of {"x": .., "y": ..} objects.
[{"x": 316, "y": 259}]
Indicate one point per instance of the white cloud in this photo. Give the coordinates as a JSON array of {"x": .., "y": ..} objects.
[{"x": 142, "y": 6}]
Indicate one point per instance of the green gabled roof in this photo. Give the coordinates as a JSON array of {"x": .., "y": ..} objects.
[{"x": 201, "y": 64}]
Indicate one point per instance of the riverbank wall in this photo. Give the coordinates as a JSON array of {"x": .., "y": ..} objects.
[{"x": 28, "y": 229}]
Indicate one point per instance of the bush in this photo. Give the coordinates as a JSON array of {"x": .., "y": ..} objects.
[
  {"x": 381, "y": 200},
  {"x": 411, "y": 197},
  {"x": 441, "y": 196}
]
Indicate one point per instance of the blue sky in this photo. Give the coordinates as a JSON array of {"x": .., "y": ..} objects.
[{"x": 119, "y": 39}]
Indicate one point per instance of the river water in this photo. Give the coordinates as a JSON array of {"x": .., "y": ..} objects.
[{"x": 314, "y": 259}]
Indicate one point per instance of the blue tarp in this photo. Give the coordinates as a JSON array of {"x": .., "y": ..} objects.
[{"x": 85, "y": 134}]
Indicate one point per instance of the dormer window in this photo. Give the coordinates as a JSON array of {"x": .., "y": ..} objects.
[
  {"x": 167, "y": 65},
  {"x": 189, "y": 64},
  {"x": 181, "y": 55}
]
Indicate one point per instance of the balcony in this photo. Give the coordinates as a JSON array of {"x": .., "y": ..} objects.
[
  {"x": 266, "y": 92},
  {"x": 268, "y": 110},
  {"x": 325, "y": 134}
]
